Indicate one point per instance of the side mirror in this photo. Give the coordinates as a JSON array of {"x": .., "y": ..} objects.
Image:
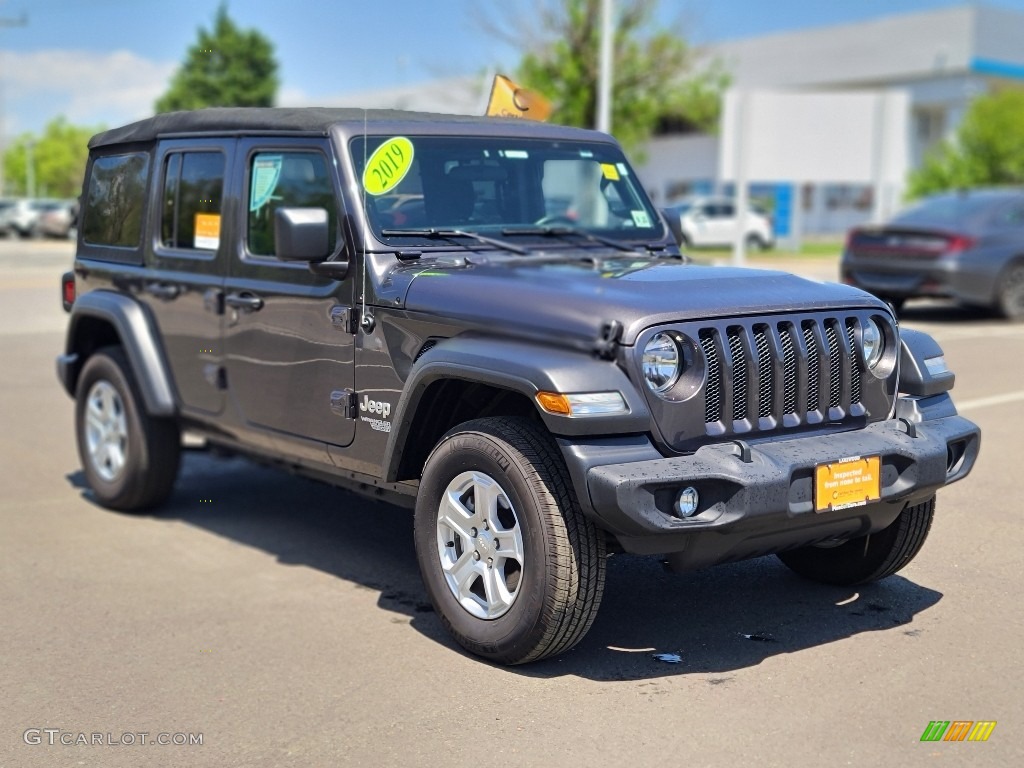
[{"x": 301, "y": 234}]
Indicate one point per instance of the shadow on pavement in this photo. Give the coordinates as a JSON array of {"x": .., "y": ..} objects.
[{"x": 718, "y": 620}]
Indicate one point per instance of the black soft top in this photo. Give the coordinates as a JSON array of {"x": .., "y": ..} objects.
[{"x": 309, "y": 120}]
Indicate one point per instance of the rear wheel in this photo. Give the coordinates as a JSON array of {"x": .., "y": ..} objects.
[
  {"x": 866, "y": 558},
  {"x": 1011, "y": 293},
  {"x": 130, "y": 458},
  {"x": 511, "y": 564}
]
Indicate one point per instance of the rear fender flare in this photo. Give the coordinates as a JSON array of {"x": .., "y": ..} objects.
[{"x": 135, "y": 328}]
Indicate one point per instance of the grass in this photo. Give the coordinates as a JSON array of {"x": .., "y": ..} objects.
[{"x": 830, "y": 248}]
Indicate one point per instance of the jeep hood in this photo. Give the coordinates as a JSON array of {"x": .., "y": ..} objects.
[{"x": 574, "y": 298}]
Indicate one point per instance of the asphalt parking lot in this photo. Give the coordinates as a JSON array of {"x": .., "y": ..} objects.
[{"x": 284, "y": 621}]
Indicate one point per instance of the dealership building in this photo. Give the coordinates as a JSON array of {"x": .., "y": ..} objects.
[{"x": 831, "y": 120}]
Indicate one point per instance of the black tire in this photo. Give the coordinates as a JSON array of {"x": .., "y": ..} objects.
[
  {"x": 755, "y": 243},
  {"x": 1010, "y": 301},
  {"x": 866, "y": 558},
  {"x": 151, "y": 447},
  {"x": 561, "y": 579},
  {"x": 896, "y": 303}
]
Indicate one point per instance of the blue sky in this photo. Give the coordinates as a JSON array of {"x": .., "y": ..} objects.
[{"x": 106, "y": 61}]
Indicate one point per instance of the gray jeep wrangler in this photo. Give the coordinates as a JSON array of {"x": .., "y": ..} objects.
[{"x": 486, "y": 320}]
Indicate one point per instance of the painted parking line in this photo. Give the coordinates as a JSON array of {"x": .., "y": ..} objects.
[{"x": 984, "y": 402}]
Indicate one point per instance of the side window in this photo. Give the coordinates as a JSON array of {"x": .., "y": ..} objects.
[
  {"x": 287, "y": 180},
  {"x": 191, "y": 205},
  {"x": 114, "y": 199}
]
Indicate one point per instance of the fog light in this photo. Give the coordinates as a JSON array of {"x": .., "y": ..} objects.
[{"x": 687, "y": 502}]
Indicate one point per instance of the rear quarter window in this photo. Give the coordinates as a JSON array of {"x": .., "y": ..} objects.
[{"x": 115, "y": 200}]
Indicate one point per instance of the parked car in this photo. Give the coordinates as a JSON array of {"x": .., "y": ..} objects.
[
  {"x": 713, "y": 221},
  {"x": 20, "y": 216},
  {"x": 57, "y": 219},
  {"x": 541, "y": 390},
  {"x": 5, "y": 224},
  {"x": 968, "y": 246}
]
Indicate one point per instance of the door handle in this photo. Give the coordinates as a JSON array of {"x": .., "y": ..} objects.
[
  {"x": 165, "y": 291},
  {"x": 246, "y": 301}
]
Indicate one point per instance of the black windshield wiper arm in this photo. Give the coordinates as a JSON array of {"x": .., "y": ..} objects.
[
  {"x": 449, "y": 233},
  {"x": 566, "y": 230}
]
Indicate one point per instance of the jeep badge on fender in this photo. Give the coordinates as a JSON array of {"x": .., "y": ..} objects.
[{"x": 486, "y": 320}]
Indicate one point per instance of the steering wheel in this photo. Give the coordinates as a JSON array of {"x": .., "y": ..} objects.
[{"x": 547, "y": 221}]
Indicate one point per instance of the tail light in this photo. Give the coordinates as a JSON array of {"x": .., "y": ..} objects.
[
  {"x": 67, "y": 290},
  {"x": 959, "y": 243},
  {"x": 850, "y": 237}
]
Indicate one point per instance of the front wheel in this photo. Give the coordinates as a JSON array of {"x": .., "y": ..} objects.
[
  {"x": 130, "y": 458},
  {"x": 866, "y": 558},
  {"x": 512, "y": 566}
]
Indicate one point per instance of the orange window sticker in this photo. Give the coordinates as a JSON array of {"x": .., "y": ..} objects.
[{"x": 207, "y": 230}]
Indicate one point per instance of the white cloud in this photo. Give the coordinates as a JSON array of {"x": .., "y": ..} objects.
[{"x": 87, "y": 87}]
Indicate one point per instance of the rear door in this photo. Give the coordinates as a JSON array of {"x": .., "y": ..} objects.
[
  {"x": 187, "y": 263},
  {"x": 289, "y": 349}
]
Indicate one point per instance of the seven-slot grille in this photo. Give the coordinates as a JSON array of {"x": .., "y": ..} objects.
[{"x": 788, "y": 372}]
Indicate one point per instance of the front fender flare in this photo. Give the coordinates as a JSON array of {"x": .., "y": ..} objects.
[{"x": 523, "y": 368}]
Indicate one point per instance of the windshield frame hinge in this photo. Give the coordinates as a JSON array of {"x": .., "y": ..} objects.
[{"x": 607, "y": 344}]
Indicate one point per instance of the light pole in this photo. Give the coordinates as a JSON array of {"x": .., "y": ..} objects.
[
  {"x": 30, "y": 169},
  {"x": 605, "y": 75},
  {"x": 21, "y": 21}
]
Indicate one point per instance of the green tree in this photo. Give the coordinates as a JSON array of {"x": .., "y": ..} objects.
[
  {"x": 225, "y": 67},
  {"x": 988, "y": 148},
  {"x": 58, "y": 160},
  {"x": 656, "y": 77}
]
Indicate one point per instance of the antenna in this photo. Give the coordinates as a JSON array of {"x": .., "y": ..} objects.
[{"x": 364, "y": 321}]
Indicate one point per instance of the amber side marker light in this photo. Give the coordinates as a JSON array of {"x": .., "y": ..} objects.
[{"x": 582, "y": 403}]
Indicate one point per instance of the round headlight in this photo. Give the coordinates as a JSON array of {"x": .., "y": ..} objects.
[
  {"x": 874, "y": 343},
  {"x": 661, "y": 362}
]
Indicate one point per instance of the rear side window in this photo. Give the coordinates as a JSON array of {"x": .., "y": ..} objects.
[
  {"x": 191, "y": 204},
  {"x": 114, "y": 200}
]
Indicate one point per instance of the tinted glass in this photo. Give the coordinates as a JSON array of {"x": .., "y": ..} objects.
[
  {"x": 191, "y": 208},
  {"x": 287, "y": 180},
  {"x": 493, "y": 185},
  {"x": 114, "y": 200}
]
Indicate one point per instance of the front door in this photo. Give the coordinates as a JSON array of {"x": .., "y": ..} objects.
[{"x": 289, "y": 351}]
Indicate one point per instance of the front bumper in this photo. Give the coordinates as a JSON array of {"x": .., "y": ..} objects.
[{"x": 764, "y": 502}]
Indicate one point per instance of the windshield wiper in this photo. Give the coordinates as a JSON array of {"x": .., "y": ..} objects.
[
  {"x": 563, "y": 230},
  {"x": 445, "y": 234}
]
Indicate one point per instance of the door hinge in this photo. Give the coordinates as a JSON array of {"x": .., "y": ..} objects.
[
  {"x": 216, "y": 376},
  {"x": 343, "y": 403},
  {"x": 213, "y": 301},
  {"x": 344, "y": 319}
]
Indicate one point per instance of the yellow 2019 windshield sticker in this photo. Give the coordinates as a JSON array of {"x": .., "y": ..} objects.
[{"x": 387, "y": 166}]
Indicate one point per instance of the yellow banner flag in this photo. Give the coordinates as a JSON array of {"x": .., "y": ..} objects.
[{"x": 509, "y": 100}]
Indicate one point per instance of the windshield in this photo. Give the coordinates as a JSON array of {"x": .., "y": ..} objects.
[{"x": 497, "y": 186}]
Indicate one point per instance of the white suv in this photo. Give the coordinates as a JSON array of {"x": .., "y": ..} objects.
[{"x": 713, "y": 221}]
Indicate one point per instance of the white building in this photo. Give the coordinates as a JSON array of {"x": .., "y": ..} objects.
[{"x": 931, "y": 63}]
